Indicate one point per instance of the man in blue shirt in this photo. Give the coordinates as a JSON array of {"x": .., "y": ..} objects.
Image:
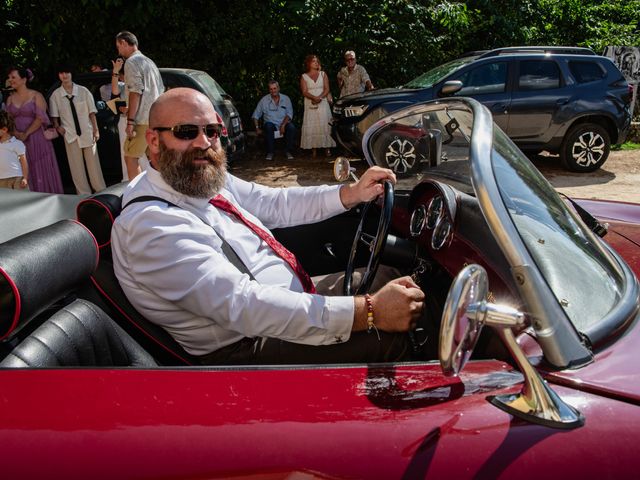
[{"x": 276, "y": 112}]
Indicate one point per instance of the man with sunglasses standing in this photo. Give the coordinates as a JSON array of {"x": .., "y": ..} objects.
[
  {"x": 353, "y": 78},
  {"x": 276, "y": 112},
  {"x": 143, "y": 85},
  {"x": 193, "y": 253}
]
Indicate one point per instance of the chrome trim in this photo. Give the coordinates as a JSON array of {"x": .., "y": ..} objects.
[{"x": 557, "y": 336}]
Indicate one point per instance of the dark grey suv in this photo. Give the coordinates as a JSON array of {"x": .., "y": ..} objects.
[{"x": 565, "y": 100}]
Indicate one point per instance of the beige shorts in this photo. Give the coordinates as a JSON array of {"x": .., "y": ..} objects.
[
  {"x": 12, "y": 183},
  {"x": 136, "y": 146}
]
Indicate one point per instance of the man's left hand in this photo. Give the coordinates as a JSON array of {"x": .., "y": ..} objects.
[{"x": 367, "y": 188}]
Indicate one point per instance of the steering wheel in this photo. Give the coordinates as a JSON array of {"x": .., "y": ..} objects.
[{"x": 375, "y": 244}]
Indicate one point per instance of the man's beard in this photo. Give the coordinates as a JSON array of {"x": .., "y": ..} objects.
[{"x": 180, "y": 171}]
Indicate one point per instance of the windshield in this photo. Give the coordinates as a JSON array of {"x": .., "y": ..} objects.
[
  {"x": 568, "y": 273},
  {"x": 564, "y": 250},
  {"x": 433, "y": 76},
  {"x": 430, "y": 141}
]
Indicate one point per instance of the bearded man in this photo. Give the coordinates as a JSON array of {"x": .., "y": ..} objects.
[{"x": 193, "y": 253}]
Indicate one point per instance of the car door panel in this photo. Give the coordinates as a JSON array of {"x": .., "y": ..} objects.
[
  {"x": 322, "y": 247},
  {"x": 489, "y": 84},
  {"x": 402, "y": 421},
  {"x": 539, "y": 94}
]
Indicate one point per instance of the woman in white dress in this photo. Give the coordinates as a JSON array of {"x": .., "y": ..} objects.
[{"x": 314, "y": 84}]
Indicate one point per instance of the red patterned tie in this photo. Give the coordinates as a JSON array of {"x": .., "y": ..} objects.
[{"x": 223, "y": 204}]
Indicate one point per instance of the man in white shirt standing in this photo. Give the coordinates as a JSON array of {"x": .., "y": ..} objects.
[
  {"x": 143, "y": 85},
  {"x": 73, "y": 113},
  {"x": 170, "y": 260}
]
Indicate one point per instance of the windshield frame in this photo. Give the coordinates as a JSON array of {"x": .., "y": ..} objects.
[{"x": 562, "y": 343}]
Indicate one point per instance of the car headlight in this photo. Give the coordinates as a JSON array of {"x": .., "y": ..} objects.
[{"x": 355, "y": 110}]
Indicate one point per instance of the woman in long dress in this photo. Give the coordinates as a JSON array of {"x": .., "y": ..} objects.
[
  {"x": 314, "y": 84},
  {"x": 29, "y": 110}
]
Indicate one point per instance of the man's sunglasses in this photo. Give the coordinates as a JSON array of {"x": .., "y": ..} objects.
[{"x": 190, "y": 132}]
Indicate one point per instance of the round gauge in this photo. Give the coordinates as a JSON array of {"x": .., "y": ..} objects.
[
  {"x": 434, "y": 212},
  {"x": 441, "y": 234},
  {"x": 418, "y": 220}
]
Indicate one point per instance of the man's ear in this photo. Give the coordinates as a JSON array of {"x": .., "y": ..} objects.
[{"x": 153, "y": 141}]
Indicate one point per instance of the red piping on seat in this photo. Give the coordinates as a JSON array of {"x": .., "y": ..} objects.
[
  {"x": 95, "y": 242},
  {"x": 124, "y": 314},
  {"x": 87, "y": 200},
  {"x": 16, "y": 295}
]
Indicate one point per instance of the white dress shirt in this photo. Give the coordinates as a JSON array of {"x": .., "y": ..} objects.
[
  {"x": 170, "y": 264},
  {"x": 60, "y": 107}
]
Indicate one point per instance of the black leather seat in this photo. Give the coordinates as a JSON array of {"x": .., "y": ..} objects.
[
  {"x": 98, "y": 213},
  {"x": 39, "y": 270},
  {"x": 80, "y": 334},
  {"x": 42, "y": 323}
]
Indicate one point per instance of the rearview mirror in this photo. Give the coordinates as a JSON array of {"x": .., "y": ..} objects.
[{"x": 342, "y": 170}]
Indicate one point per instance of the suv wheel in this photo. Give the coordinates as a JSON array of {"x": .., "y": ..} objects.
[
  {"x": 401, "y": 155},
  {"x": 585, "y": 148}
]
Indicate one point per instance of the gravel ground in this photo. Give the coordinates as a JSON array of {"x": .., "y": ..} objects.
[{"x": 618, "y": 179}]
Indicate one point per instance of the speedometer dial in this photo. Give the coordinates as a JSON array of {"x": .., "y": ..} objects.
[
  {"x": 434, "y": 212},
  {"x": 418, "y": 220},
  {"x": 441, "y": 234}
]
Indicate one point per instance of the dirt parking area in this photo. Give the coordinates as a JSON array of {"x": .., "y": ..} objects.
[{"x": 618, "y": 179}]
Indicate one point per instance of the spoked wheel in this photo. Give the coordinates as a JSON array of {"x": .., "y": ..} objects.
[
  {"x": 401, "y": 155},
  {"x": 374, "y": 244},
  {"x": 585, "y": 148}
]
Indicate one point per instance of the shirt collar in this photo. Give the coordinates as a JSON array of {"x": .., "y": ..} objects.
[{"x": 74, "y": 90}]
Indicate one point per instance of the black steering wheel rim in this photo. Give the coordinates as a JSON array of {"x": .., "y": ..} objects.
[{"x": 375, "y": 244}]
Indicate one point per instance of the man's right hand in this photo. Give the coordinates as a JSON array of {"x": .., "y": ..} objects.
[{"x": 397, "y": 307}]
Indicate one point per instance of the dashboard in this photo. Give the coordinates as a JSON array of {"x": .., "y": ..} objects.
[{"x": 451, "y": 231}]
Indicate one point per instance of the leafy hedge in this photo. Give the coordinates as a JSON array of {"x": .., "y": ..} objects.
[{"x": 244, "y": 43}]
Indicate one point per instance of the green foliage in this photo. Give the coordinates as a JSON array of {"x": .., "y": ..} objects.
[
  {"x": 626, "y": 146},
  {"x": 244, "y": 43}
]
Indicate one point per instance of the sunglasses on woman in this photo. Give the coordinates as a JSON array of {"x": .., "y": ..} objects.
[{"x": 190, "y": 132}]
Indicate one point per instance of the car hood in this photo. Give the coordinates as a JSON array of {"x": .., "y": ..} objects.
[
  {"x": 623, "y": 234},
  {"x": 377, "y": 95},
  {"x": 613, "y": 373}
]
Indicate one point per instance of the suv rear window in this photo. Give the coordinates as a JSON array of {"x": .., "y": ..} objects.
[
  {"x": 538, "y": 75},
  {"x": 585, "y": 72}
]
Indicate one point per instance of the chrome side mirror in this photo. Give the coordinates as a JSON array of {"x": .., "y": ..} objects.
[
  {"x": 466, "y": 311},
  {"x": 342, "y": 170}
]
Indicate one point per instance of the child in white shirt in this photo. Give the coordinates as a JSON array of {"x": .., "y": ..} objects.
[{"x": 13, "y": 161}]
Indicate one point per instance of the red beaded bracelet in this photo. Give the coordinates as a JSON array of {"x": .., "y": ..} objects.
[{"x": 370, "y": 325}]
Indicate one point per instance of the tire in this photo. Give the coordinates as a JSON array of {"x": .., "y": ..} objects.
[{"x": 585, "y": 148}]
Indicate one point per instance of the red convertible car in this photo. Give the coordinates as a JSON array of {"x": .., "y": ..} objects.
[{"x": 525, "y": 361}]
